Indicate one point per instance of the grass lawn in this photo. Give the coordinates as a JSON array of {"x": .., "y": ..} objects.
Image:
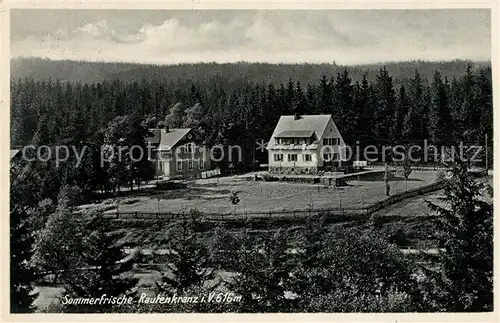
[{"x": 258, "y": 196}]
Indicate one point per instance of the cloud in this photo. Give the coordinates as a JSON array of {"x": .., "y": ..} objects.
[{"x": 346, "y": 37}]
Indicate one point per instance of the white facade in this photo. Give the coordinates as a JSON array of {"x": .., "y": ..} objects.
[{"x": 305, "y": 144}]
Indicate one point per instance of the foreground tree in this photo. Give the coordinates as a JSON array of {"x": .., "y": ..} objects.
[
  {"x": 465, "y": 282},
  {"x": 188, "y": 264},
  {"x": 263, "y": 268},
  {"x": 22, "y": 274},
  {"x": 103, "y": 267},
  {"x": 84, "y": 252},
  {"x": 354, "y": 272}
]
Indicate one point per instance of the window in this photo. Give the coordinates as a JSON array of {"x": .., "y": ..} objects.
[
  {"x": 331, "y": 141},
  {"x": 189, "y": 147},
  {"x": 276, "y": 141},
  {"x": 179, "y": 165},
  {"x": 307, "y": 157},
  {"x": 292, "y": 157},
  {"x": 278, "y": 157},
  {"x": 326, "y": 157},
  {"x": 190, "y": 164}
]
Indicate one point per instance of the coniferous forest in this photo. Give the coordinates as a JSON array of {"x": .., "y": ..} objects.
[
  {"x": 332, "y": 270},
  {"x": 239, "y": 112}
]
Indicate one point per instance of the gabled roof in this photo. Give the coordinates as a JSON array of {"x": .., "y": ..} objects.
[
  {"x": 167, "y": 140},
  {"x": 295, "y": 134},
  {"x": 305, "y": 123}
]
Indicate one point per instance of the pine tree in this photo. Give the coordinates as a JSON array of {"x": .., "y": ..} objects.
[
  {"x": 325, "y": 94},
  {"x": 400, "y": 113},
  {"x": 412, "y": 126},
  {"x": 108, "y": 267},
  {"x": 385, "y": 106},
  {"x": 484, "y": 100},
  {"x": 439, "y": 114},
  {"x": 345, "y": 114},
  {"x": 189, "y": 263},
  {"x": 140, "y": 167},
  {"x": 263, "y": 267},
  {"x": 22, "y": 274},
  {"x": 465, "y": 227},
  {"x": 363, "y": 100}
]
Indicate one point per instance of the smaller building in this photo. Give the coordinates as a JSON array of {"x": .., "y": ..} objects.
[
  {"x": 178, "y": 152},
  {"x": 305, "y": 144}
]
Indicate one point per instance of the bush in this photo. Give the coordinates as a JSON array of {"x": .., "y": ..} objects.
[{"x": 440, "y": 176}]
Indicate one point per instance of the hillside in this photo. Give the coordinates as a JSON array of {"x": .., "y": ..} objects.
[{"x": 91, "y": 72}]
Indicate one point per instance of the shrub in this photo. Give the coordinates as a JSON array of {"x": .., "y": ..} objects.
[{"x": 440, "y": 176}]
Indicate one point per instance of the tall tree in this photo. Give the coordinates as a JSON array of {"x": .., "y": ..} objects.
[
  {"x": 439, "y": 115},
  {"x": 345, "y": 114},
  {"x": 412, "y": 126},
  {"x": 108, "y": 267},
  {"x": 465, "y": 221},
  {"x": 385, "y": 106},
  {"x": 22, "y": 274},
  {"x": 400, "y": 113},
  {"x": 140, "y": 167},
  {"x": 190, "y": 263}
]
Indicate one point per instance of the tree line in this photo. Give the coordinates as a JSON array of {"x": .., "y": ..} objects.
[{"x": 117, "y": 113}]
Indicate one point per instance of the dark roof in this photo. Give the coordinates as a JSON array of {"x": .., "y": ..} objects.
[
  {"x": 295, "y": 134},
  {"x": 166, "y": 140}
]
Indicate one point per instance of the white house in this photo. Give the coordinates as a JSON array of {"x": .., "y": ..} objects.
[{"x": 304, "y": 144}]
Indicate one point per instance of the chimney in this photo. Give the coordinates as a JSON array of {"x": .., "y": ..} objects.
[{"x": 296, "y": 116}]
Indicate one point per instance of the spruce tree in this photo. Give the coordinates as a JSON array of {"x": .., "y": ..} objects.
[
  {"x": 22, "y": 273},
  {"x": 400, "y": 113},
  {"x": 103, "y": 267},
  {"x": 439, "y": 114},
  {"x": 189, "y": 263},
  {"x": 345, "y": 114},
  {"x": 385, "y": 101},
  {"x": 412, "y": 126},
  {"x": 465, "y": 232}
]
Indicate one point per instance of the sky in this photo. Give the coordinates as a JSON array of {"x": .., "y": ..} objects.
[{"x": 345, "y": 37}]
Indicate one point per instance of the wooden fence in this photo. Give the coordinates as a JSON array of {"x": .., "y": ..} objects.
[{"x": 353, "y": 212}]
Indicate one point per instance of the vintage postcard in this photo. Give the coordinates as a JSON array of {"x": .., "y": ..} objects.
[{"x": 209, "y": 158}]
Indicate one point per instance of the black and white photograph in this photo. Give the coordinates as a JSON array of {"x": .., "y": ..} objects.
[{"x": 250, "y": 161}]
